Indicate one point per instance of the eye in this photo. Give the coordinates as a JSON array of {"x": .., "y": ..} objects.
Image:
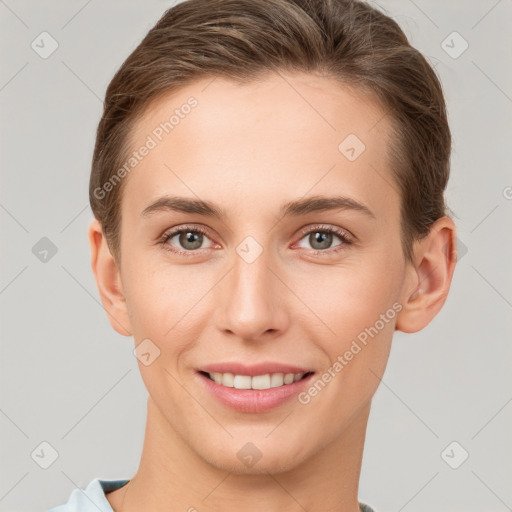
[
  {"x": 186, "y": 240},
  {"x": 321, "y": 239}
]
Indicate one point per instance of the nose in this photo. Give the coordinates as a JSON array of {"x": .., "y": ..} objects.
[{"x": 252, "y": 303}]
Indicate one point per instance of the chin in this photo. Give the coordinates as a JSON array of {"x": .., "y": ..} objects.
[
  {"x": 254, "y": 458},
  {"x": 271, "y": 465}
]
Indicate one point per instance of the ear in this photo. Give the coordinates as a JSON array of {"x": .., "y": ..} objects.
[
  {"x": 429, "y": 276},
  {"x": 108, "y": 280}
]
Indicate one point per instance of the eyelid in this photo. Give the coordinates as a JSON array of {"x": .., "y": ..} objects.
[
  {"x": 341, "y": 232},
  {"x": 346, "y": 237},
  {"x": 172, "y": 232}
]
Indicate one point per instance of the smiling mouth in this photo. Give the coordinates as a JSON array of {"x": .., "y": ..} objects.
[{"x": 266, "y": 381}]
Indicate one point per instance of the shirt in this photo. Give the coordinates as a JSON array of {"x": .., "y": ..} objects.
[{"x": 93, "y": 499}]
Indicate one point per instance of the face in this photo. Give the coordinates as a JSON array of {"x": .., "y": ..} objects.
[{"x": 260, "y": 238}]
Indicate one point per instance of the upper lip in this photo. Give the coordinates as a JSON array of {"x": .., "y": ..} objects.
[{"x": 254, "y": 369}]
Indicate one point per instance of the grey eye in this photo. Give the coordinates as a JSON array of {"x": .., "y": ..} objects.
[
  {"x": 320, "y": 240},
  {"x": 189, "y": 240}
]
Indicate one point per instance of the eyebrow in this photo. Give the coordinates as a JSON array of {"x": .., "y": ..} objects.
[{"x": 295, "y": 208}]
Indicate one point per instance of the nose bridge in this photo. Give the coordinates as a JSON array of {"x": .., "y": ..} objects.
[{"x": 250, "y": 298}]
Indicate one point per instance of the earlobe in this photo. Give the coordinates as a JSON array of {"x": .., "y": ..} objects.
[
  {"x": 108, "y": 280},
  {"x": 430, "y": 277}
]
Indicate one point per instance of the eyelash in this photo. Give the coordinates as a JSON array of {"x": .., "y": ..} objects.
[
  {"x": 343, "y": 235},
  {"x": 167, "y": 236}
]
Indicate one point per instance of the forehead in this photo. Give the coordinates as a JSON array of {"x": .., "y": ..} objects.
[{"x": 279, "y": 137}]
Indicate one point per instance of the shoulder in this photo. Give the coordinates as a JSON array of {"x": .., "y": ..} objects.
[
  {"x": 92, "y": 498},
  {"x": 365, "y": 508}
]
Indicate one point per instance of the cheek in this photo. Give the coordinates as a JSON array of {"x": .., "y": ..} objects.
[
  {"x": 161, "y": 297},
  {"x": 360, "y": 320},
  {"x": 348, "y": 298},
  {"x": 356, "y": 309},
  {"x": 161, "y": 301}
]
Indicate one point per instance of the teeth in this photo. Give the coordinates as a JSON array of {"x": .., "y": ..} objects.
[
  {"x": 242, "y": 382},
  {"x": 288, "y": 378},
  {"x": 260, "y": 381},
  {"x": 276, "y": 379},
  {"x": 266, "y": 381},
  {"x": 217, "y": 377}
]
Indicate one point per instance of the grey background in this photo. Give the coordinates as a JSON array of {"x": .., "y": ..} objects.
[{"x": 69, "y": 379}]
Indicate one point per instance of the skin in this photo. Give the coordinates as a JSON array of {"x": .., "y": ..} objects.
[{"x": 249, "y": 149}]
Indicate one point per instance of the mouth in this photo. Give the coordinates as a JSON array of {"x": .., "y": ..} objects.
[
  {"x": 255, "y": 388},
  {"x": 255, "y": 382}
]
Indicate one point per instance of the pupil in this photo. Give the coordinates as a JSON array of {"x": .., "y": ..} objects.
[
  {"x": 192, "y": 238},
  {"x": 324, "y": 239}
]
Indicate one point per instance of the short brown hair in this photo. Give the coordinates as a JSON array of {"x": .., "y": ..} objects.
[{"x": 243, "y": 39}]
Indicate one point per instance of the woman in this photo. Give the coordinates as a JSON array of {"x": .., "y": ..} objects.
[{"x": 267, "y": 184}]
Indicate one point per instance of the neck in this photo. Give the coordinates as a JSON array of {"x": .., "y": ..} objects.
[{"x": 172, "y": 476}]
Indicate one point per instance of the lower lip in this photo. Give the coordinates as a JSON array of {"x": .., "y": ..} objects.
[{"x": 254, "y": 400}]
